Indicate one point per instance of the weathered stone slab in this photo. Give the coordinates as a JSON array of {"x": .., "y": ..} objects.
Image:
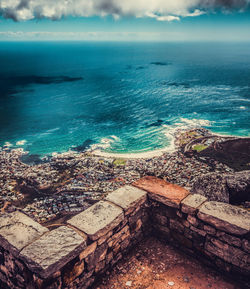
[
  {"x": 225, "y": 217},
  {"x": 191, "y": 203},
  {"x": 53, "y": 250},
  {"x": 128, "y": 198},
  {"x": 18, "y": 230},
  {"x": 162, "y": 191},
  {"x": 98, "y": 220}
]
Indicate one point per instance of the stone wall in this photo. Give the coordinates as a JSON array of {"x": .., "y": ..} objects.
[
  {"x": 215, "y": 232},
  {"x": 75, "y": 255},
  {"x": 71, "y": 256}
]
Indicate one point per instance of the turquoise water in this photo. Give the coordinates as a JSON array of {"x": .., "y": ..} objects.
[{"x": 125, "y": 97}]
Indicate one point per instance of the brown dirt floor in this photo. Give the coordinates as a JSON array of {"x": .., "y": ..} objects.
[{"x": 153, "y": 265}]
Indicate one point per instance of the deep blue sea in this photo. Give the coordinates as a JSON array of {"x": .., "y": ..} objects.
[{"x": 123, "y": 97}]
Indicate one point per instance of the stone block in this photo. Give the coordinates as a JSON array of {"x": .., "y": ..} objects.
[
  {"x": 185, "y": 223},
  {"x": 160, "y": 219},
  {"x": 104, "y": 238},
  {"x": 180, "y": 239},
  {"x": 246, "y": 246},
  {"x": 179, "y": 214},
  {"x": 191, "y": 203},
  {"x": 134, "y": 218},
  {"x": 53, "y": 250},
  {"x": 109, "y": 257},
  {"x": 116, "y": 259},
  {"x": 231, "y": 240},
  {"x": 228, "y": 253},
  {"x": 18, "y": 230},
  {"x": 225, "y": 217},
  {"x": 119, "y": 236},
  {"x": 125, "y": 244},
  {"x": 175, "y": 225},
  {"x": 198, "y": 231},
  {"x": 162, "y": 191},
  {"x": 99, "y": 255},
  {"x": 161, "y": 231},
  {"x": 129, "y": 198},
  {"x": 88, "y": 250},
  {"x": 210, "y": 230},
  {"x": 194, "y": 236},
  {"x": 192, "y": 220},
  {"x": 71, "y": 273},
  {"x": 138, "y": 225},
  {"x": 100, "y": 266},
  {"x": 98, "y": 220}
]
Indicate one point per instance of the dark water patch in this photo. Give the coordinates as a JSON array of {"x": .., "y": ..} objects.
[
  {"x": 159, "y": 63},
  {"x": 84, "y": 146},
  {"x": 11, "y": 85},
  {"x": 129, "y": 67},
  {"x": 140, "y": 67},
  {"x": 36, "y": 79},
  {"x": 34, "y": 159},
  {"x": 177, "y": 84},
  {"x": 159, "y": 122}
]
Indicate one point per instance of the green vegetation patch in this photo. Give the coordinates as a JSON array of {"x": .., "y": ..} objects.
[
  {"x": 119, "y": 162},
  {"x": 199, "y": 147}
]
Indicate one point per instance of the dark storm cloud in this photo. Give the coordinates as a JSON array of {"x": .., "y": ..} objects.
[{"x": 225, "y": 3}]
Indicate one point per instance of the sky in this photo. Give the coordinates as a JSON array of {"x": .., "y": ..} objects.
[{"x": 130, "y": 20}]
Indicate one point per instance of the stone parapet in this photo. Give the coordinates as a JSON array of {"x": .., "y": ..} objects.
[
  {"x": 162, "y": 191},
  {"x": 74, "y": 255},
  {"x": 18, "y": 230},
  {"x": 217, "y": 233},
  {"x": 98, "y": 220},
  {"x": 225, "y": 217}
]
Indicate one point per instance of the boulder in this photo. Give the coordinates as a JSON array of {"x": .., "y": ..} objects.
[
  {"x": 213, "y": 186},
  {"x": 239, "y": 187},
  {"x": 227, "y": 188}
]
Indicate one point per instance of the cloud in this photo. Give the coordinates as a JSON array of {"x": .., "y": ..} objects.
[
  {"x": 162, "y": 10},
  {"x": 78, "y": 36}
]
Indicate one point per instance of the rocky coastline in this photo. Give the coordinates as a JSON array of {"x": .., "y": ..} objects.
[{"x": 51, "y": 192}]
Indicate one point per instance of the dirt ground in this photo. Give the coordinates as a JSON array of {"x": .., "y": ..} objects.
[{"x": 154, "y": 265}]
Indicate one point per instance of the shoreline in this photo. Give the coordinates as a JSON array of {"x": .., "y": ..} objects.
[
  {"x": 171, "y": 148},
  {"x": 174, "y": 146},
  {"x": 139, "y": 155},
  {"x": 159, "y": 152}
]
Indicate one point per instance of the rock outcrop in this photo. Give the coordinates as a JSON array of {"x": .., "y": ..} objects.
[{"x": 227, "y": 188}]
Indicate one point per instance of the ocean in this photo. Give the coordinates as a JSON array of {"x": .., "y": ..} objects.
[{"x": 120, "y": 97}]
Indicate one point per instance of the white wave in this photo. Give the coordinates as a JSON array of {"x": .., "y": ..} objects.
[
  {"x": 53, "y": 129},
  {"x": 47, "y": 132},
  {"x": 116, "y": 138},
  {"x": 104, "y": 143},
  {"x": 180, "y": 125},
  {"x": 8, "y": 144},
  {"x": 196, "y": 122},
  {"x": 170, "y": 132},
  {"x": 242, "y": 107},
  {"x": 21, "y": 142}
]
